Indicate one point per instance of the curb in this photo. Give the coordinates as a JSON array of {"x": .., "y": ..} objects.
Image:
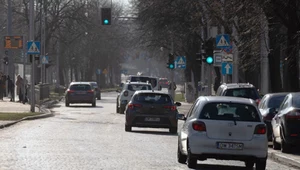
[
  {"x": 285, "y": 160},
  {"x": 45, "y": 109}
]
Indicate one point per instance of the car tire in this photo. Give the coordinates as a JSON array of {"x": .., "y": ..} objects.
[
  {"x": 191, "y": 161},
  {"x": 285, "y": 148},
  {"x": 128, "y": 128},
  {"x": 261, "y": 164},
  {"x": 249, "y": 164},
  {"x": 67, "y": 104},
  {"x": 276, "y": 146},
  {"x": 180, "y": 157},
  {"x": 99, "y": 97},
  {"x": 173, "y": 130},
  {"x": 94, "y": 104}
]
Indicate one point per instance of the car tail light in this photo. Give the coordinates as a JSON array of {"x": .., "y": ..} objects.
[
  {"x": 260, "y": 129},
  {"x": 90, "y": 91},
  {"x": 293, "y": 115},
  {"x": 257, "y": 101},
  {"x": 125, "y": 93},
  {"x": 170, "y": 107},
  {"x": 199, "y": 126},
  {"x": 71, "y": 91},
  {"x": 131, "y": 106}
]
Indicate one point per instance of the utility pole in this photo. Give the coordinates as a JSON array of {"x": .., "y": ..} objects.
[
  {"x": 31, "y": 38},
  {"x": 172, "y": 71}
]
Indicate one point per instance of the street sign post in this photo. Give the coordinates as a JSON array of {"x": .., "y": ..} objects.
[
  {"x": 180, "y": 62},
  {"x": 98, "y": 71},
  {"x": 226, "y": 68},
  {"x": 45, "y": 59},
  {"x": 33, "y": 47},
  {"x": 222, "y": 41},
  {"x": 227, "y": 58}
]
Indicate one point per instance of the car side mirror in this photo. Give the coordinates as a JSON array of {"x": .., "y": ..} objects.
[
  {"x": 181, "y": 117},
  {"x": 177, "y": 103}
]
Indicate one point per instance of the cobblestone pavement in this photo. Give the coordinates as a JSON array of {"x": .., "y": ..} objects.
[{"x": 86, "y": 138}]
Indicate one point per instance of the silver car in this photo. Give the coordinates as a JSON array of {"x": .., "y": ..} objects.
[{"x": 225, "y": 128}]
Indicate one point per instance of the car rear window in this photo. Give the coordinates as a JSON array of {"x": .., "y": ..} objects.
[
  {"x": 243, "y": 92},
  {"x": 275, "y": 101},
  {"x": 152, "y": 98},
  {"x": 296, "y": 101},
  {"x": 230, "y": 111},
  {"x": 153, "y": 81},
  {"x": 136, "y": 87},
  {"x": 80, "y": 87}
]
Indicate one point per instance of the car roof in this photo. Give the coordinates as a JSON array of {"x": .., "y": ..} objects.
[
  {"x": 241, "y": 100},
  {"x": 80, "y": 82},
  {"x": 277, "y": 94},
  {"x": 138, "y": 82},
  {"x": 150, "y": 91},
  {"x": 237, "y": 85}
]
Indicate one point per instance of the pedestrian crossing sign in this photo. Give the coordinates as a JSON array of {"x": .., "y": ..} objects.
[
  {"x": 33, "y": 47},
  {"x": 222, "y": 41},
  {"x": 45, "y": 59},
  {"x": 180, "y": 62}
]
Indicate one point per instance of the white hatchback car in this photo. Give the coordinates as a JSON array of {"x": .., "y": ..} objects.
[
  {"x": 127, "y": 92},
  {"x": 224, "y": 128}
]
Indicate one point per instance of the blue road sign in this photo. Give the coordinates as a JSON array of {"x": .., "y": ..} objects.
[
  {"x": 45, "y": 59},
  {"x": 222, "y": 41},
  {"x": 33, "y": 47},
  {"x": 98, "y": 71},
  {"x": 226, "y": 68},
  {"x": 180, "y": 62}
]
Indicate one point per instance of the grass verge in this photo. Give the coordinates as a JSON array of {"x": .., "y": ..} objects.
[
  {"x": 16, "y": 116},
  {"x": 179, "y": 98}
]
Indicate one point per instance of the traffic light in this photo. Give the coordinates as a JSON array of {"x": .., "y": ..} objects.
[
  {"x": 35, "y": 58},
  {"x": 171, "y": 62},
  {"x": 106, "y": 16},
  {"x": 5, "y": 60},
  {"x": 209, "y": 52}
]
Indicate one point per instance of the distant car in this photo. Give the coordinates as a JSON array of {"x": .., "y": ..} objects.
[
  {"x": 286, "y": 124},
  {"x": 244, "y": 90},
  {"x": 97, "y": 89},
  {"x": 127, "y": 92},
  {"x": 224, "y": 128},
  {"x": 268, "y": 107},
  {"x": 80, "y": 92},
  {"x": 164, "y": 83},
  {"x": 151, "y": 109},
  {"x": 154, "y": 81}
]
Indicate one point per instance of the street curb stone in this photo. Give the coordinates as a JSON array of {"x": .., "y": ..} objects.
[
  {"x": 44, "y": 109},
  {"x": 284, "y": 160}
]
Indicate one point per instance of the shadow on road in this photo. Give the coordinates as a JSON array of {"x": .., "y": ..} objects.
[
  {"x": 220, "y": 167},
  {"x": 153, "y": 132}
]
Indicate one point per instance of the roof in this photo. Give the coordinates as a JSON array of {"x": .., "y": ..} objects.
[
  {"x": 151, "y": 91},
  {"x": 80, "y": 82},
  {"x": 138, "y": 82},
  {"x": 238, "y": 85},
  {"x": 277, "y": 94},
  {"x": 228, "y": 99}
]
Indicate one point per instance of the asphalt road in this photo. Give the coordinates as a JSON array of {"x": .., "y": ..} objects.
[{"x": 85, "y": 138}]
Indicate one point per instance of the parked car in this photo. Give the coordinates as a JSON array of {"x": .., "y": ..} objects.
[
  {"x": 127, "y": 92},
  {"x": 151, "y": 109},
  {"x": 97, "y": 89},
  {"x": 245, "y": 90},
  {"x": 268, "y": 107},
  {"x": 224, "y": 128},
  {"x": 80, "y": 92},
  {"x": 286, "y": 124}
]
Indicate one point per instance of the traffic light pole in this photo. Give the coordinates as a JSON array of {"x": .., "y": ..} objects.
[
  {"x": 172, "y": 72},
  {"x": 31, "y": 38}
]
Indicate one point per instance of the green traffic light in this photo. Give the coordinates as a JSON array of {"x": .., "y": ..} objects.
[
  {"x": 171, "y": 66},
  {"x": 106, "y": 21},
  {"x": 209, "y": 60}
]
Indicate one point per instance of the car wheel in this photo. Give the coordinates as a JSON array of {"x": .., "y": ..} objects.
[
  {"x": 249, "y": 164},
  {"x": 99, "y": 97},
  {"x": 127, "y": 128},
  {"x": 180, "y": 157},
  {"x": 94, "y": 104},
  {"x": 117, "y": 108},
  {"x": 191, "y": 160},
  {"x": 285, "y": 148},
  {"x": 173, "y": 130},
  {"x": 276, "y": 146},
  {"x": 261, "y": 164}
]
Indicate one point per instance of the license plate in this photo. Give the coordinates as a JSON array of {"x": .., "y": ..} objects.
[
  {"x": 149, "y": 119},
  {"x": 230, "y": 146},
  {"x": 81, "y": 92}
]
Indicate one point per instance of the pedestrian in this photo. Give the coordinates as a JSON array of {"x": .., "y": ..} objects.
[
  {"x": 174, "y": 86},
  {"x": 11, "y": 88},
  {"x": 2, "y": 86},
  {"x": 20, "y": 87}
]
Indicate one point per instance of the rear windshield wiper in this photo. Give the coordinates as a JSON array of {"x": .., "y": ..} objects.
[{"x": 230, "y": 116}]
